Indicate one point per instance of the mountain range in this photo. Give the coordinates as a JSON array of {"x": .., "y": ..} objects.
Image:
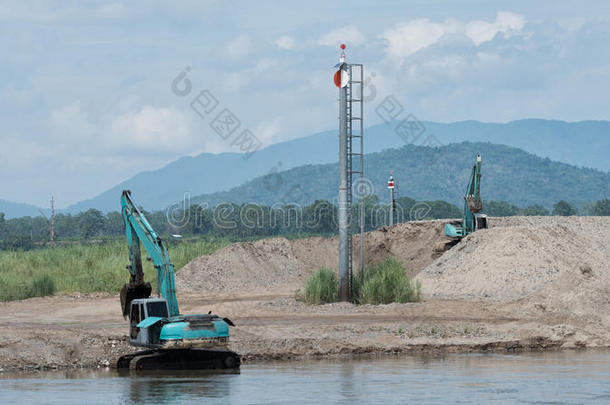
[
  {"x": 432, "y": 173},
  {"x": 14, "y": 209},
  {"x": 582, "y": 144}
]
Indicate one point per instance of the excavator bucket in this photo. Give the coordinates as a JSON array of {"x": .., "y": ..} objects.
[
  {"x": 474, "y": 205},
  {"x": 130, "y": 292}
]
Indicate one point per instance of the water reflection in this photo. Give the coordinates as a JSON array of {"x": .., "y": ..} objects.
[
  {"x": 569, "y": 377},
  {"x": 163, "y": 389}
]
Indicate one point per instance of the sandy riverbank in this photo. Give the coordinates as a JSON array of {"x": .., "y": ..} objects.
[{"x": 524, "y": 284}]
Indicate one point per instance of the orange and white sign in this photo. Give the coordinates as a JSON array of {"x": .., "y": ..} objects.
[
  {"x": 341, "y": 78},
  {"x": 391, "y": 183}
]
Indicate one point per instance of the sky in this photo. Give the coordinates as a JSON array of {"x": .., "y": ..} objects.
[{"x": 91, "y": 91}]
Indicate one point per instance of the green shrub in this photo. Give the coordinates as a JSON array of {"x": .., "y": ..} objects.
[
  {"x": 564, "y": 208},
  {"x": 535, "y": 210},
  {"x": 42, "y": 286},
  {"x": 22, "y": 242},
  {"x": 385, "y": 283},
  {"x": 322, "y": 287},
  {"x": 12, "y": 292},
  {"x": 601, "y": 208}
]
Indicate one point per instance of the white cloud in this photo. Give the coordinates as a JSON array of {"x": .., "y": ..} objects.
[
  {"x": 64, "y": 11},
  {"x": 446, "y": 76},
  {"x": 235, "y": 81},
  {"x": 488, "y": 57},
  {"x": 113, "y": 10},
  {"x": 239, "y": 47},
  {"x": 14, "y": 95},
  {"x": 412, "y": 36},
  {"x": 407, "y": 38},
  {"x": 71, "y": 120},
  {"x": 159, "y": 129},
  {"x": 19, "y": 154},
  {"x": 506, "y": 22},
  {"x": 348, "y": 34},
  {"x": 285, "y": 42},
  {"x": 269, "y": 131}
]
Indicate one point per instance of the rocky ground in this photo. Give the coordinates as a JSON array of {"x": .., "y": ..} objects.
[{"x": 524, "y": 284}]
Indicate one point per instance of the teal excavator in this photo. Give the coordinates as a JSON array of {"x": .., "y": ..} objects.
[
  {"x": 174, "y": 341},
  {"x": 472, "y": 219}
]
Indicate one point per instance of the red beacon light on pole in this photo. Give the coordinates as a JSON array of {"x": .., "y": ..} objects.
[
  {"x": 341, "y": 76},
  {"x": 391, "y": 182}
]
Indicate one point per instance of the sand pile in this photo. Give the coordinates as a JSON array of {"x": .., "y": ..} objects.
[
  {"x": 412, "y": 243},
  {"x": 283, "y": 265},
  {"x": 544, "y": 257},
  {"x": 521, "y": 256},
  {"x": 268, "y": 263}
]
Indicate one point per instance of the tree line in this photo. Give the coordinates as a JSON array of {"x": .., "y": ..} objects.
[{"x": 252, "y": 220}]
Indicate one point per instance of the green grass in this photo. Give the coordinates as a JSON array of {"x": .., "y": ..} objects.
[
  {"x": 383, "y": 284},
  {"x": 321, "y": 287},
  {"x": 83, "y": 268},
  {"x": 39, "y": 286}
]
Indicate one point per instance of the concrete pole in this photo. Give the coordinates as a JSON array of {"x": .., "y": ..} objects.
[
  {"x": 343, "y": 214},
  {"x": 391, "y": 207},
  {"x": 52, "y": 220}
]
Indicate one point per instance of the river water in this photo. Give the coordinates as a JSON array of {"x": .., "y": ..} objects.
[{"x": 539, "y": 378}]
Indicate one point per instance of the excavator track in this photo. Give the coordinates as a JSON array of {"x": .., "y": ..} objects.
[{"x": 180, "y": 359}]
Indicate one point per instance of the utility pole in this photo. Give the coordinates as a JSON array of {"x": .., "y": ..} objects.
[
  {"x": 51, "y": 221},
  {"x": 392, "y": 203},
  {"x": 52, "y": 235},
  {"x": 341, "y": 81},
  {"x": 351, "y": 128}
]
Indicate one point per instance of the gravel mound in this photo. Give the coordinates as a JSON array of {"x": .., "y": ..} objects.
[
  {"x": 562, "y": 262},
  {"x": 283, "y": 265},
  {"x": 267, "y": 263},
  {"x": 520, "y": 256}
]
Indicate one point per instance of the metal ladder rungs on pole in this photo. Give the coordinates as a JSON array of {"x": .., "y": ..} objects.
[{"x": 359, "y": 156}]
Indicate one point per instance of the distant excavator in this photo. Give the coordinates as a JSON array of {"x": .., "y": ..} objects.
[
  {"x": 175, "y": 341},
  {"x": 472, "y": 219}
]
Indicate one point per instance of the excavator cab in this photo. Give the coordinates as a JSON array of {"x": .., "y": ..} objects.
[
  {"x": 146, "y": 318},
  {"x": 480, "y": 221}
]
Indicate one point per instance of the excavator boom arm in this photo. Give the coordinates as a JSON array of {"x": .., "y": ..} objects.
[
  {"x": 472, "y": 198},
  {"x": 473, "y": 205},
  {"x": 138, "y": 230},
  {"x": 474, "y": 184}
]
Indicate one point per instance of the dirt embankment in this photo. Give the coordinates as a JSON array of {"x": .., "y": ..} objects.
[
  {"x": 283, "y": 265},
  {"x": 524, "y": 284},
  {"x": 540, "y": 278},
  {"x": 540, "y": 265},
  {"x": 519, "y": 256}
]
